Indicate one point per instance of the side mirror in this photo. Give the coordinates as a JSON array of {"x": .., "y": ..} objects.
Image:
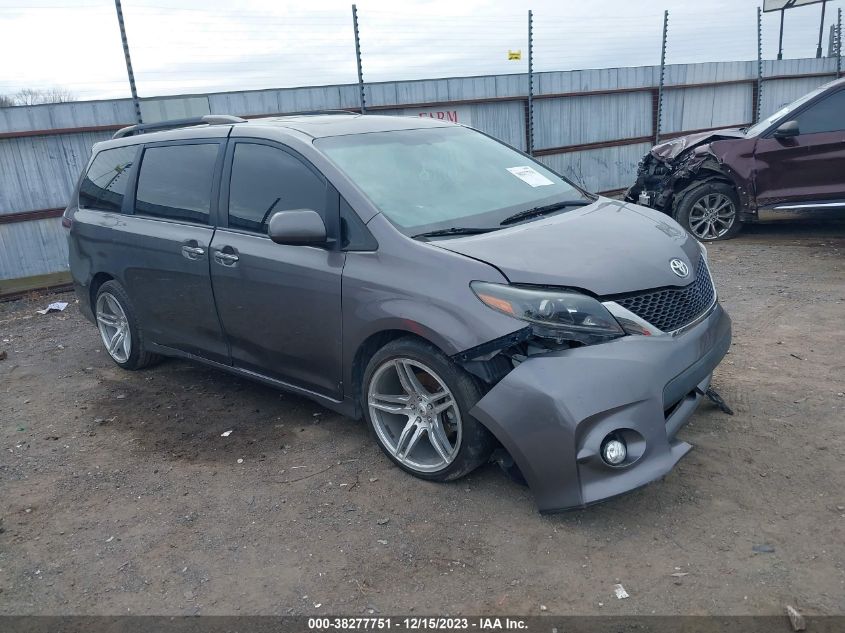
[
  {"x": 301, "y": 226},
  {"x": 787, "y": 130}
]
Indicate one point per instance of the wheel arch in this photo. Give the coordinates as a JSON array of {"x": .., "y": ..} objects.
[
  {"x": 703, "y": 178},
  {"x": 713, "y": 171},
  {"x": 94, "y": 287},
  {"x": 368, "y": 348}
]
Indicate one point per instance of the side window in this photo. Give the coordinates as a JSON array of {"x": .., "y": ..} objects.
[
  {"x": 175, "y": 182},
  {"x": 265, "y": 180},
  {"x": 828, "y": 115},
  {"x": 105, "y": 182}
]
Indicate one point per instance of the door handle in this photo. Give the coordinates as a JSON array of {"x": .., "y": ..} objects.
[
  {"x": 192, "y": 252},
  {"x": 226, "y": 259}
]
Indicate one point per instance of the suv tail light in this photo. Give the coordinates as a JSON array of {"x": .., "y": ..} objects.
[{"x": 67, "y": 222}]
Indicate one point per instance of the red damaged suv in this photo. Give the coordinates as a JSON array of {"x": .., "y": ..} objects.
[{"x": 789, "y": 165}]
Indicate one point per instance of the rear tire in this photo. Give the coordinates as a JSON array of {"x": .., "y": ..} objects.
[
  {"x": 710, "y": 212},
  {"x": 119, "y": 328},
  {"x": 417, "y": 402}
]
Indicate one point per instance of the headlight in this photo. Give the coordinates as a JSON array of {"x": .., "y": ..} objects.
[{"x": 553, "y": 314}]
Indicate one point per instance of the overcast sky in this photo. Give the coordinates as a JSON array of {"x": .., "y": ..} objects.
[{"x": 190, "y": 46}]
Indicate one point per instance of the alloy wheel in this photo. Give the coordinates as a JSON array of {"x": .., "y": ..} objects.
[
  {"x": 712, "y": 216},
  {"x": 114, "y": 327},
  {"x": 415, "y": 415}
]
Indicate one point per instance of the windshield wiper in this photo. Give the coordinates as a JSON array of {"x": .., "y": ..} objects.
[
  {"x": 549, "y": 208},
  {"x": 455, "y": 230}
]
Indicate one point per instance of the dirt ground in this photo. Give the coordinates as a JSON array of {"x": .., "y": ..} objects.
[{"x": 119, "y": 495}]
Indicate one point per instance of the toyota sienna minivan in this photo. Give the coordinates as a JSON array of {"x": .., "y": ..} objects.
[{"x": 455, "y": 293}]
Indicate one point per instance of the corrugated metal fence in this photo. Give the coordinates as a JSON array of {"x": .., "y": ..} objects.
[{"x": 593, "y": 126}]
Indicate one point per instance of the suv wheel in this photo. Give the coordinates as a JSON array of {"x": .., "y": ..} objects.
[
  {"x": 710, "y": 212},
  {"x": 416, "y": 401},
  {"x": 119, "y": 329}
]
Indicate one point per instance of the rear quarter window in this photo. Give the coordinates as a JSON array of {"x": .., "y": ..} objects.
[
  {"x": 104, "y": 184},
  {"x": 175, "y": 182}
]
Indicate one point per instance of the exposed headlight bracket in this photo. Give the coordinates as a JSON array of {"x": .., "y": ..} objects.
[{"x": 490, "y": 348}]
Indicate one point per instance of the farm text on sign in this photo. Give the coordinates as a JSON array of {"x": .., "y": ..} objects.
[{"x": 455, "y": 114}]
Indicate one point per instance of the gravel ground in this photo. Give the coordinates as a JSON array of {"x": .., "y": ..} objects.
[{"x": 119, "y": 495}]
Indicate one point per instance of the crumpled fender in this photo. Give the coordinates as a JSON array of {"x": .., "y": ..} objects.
[
  {"x": 696, "y": 160},
  {"x": 672, "y": 149}
]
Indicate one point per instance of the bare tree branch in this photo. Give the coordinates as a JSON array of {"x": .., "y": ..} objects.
[{"x": 33, "y": 96}]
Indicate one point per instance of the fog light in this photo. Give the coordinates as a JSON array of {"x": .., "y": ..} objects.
[{"x": 614, "y": 452}]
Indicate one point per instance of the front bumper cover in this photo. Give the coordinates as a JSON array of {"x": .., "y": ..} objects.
[{"x": 552, "y": 412}]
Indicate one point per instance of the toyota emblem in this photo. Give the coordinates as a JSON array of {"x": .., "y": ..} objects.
[{"x": 679, "y": 268}]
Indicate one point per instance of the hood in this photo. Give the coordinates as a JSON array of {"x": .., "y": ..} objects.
[
  {"x": 609, "y": 247},
  {"x": 677, "y": 146}
]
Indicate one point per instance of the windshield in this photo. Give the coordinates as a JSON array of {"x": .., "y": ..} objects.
[
  {"x": 439, "y": 178},
  {"x": 763, "y": 125}
]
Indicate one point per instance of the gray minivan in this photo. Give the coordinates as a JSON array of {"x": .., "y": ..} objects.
[{"x": 457, "y": 294}]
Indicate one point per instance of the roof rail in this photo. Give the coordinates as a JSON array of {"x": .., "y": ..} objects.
[
  {"x": 208, "y": 119},
  {"x": 315, "y": 112}
]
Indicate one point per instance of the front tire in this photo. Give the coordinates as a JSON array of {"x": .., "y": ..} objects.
[
  {"x": 710, "y": 212},
  {"x": 417, "y": 402},
  {"x": 119, "y": 328}
]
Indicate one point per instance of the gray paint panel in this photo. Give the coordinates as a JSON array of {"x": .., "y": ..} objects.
[
  {"x": 709, "y": 107},
  {"x": 602, "y": 169},
  {"x": 505, "y": 121},
  {"x": 32, "y": 248},
  {"x": 66, "y": 115},
  {"x": 39, "y": 172},
  {"x": 165, "y": 109},
  {"x": 442, "y": 90},
  {"x": 708, "y": 72},
  {"x": 119, "y": 111},
  {"x": 577, "y": 120},
  {"x": 598, "y": 79},
  {"x": 285, "y": 100},
  {"x": 780, "y": 92}
]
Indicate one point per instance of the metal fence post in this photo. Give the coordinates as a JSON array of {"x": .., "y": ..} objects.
[
  {"x": 659, "y": 117},
  {"x": 362, "y": 97},
  {"x": 839, "y": 43},
  {"x": 821, "y": 32},
  {"x": 128, "y": 61},
  {"x": 530, "y": 83},
  {"x": 759, "y": 65}
]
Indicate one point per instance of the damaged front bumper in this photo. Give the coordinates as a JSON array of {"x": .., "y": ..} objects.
[
  {"x": 658, "y": 179},
  {"x": 553, "y": 411},
  {"x": 675, "y": 166}
]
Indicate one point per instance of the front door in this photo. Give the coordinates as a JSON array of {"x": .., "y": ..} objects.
[
  {"x": 809, "y": 169},
  {"x": 279, "y": 304},
  {"x": 165, "y": 246}
]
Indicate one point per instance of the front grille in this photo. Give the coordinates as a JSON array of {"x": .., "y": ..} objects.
[{"x": 673, "y": 308}]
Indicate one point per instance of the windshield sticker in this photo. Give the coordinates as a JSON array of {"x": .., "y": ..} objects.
[{"x": 530, "y": 176}]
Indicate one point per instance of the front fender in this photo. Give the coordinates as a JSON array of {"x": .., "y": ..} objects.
[
  {"x": 443, "y": 329},
  {"x": 423, "y": 290}
]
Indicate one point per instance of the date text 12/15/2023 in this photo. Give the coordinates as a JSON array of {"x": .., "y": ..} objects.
[{"x": 416, "y": 623}]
